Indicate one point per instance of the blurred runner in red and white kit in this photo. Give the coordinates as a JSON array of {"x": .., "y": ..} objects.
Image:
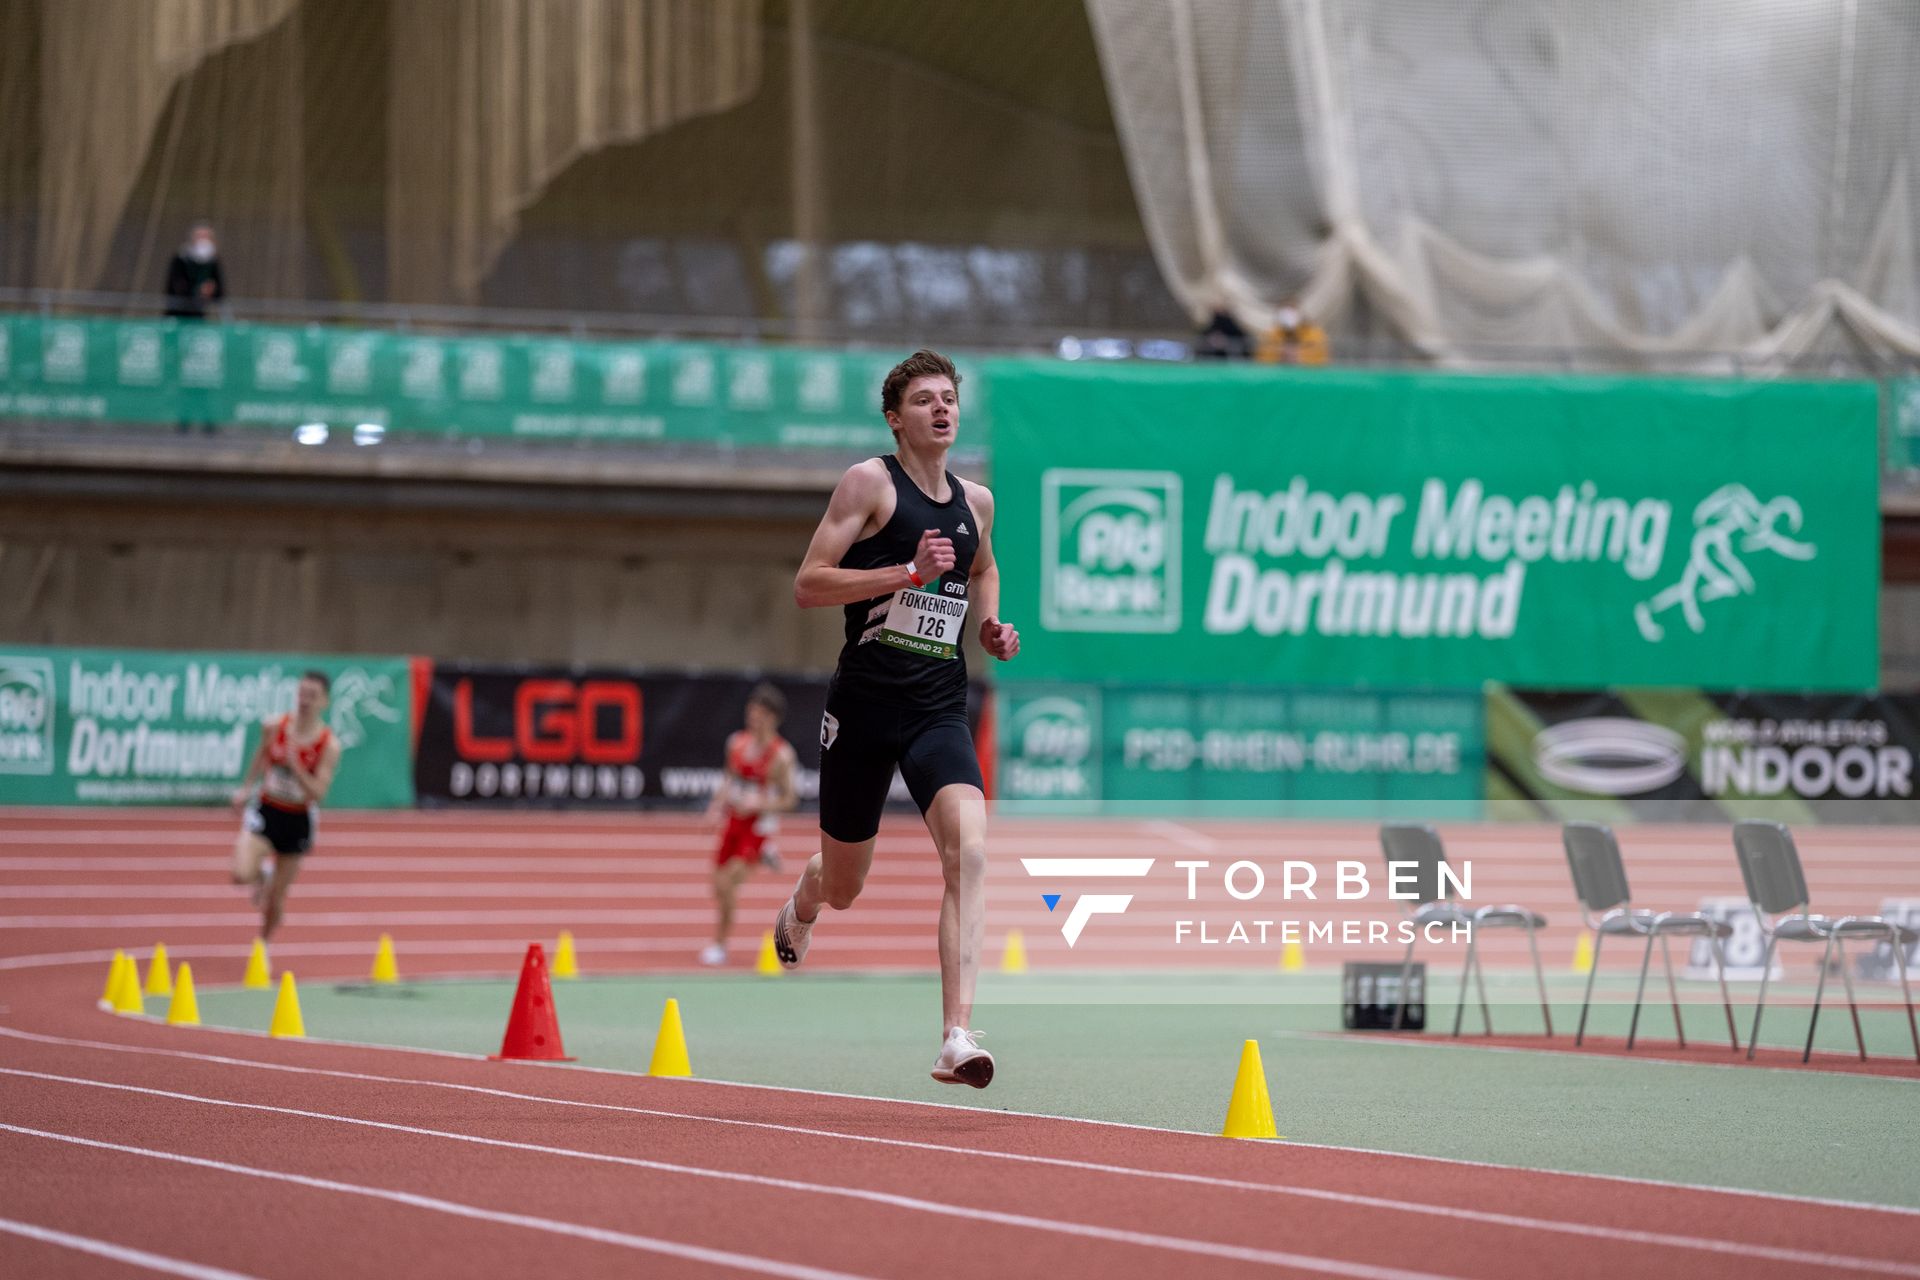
[
  {"x": 756, "y": 788},
  {"x": 294, "y": 766}
]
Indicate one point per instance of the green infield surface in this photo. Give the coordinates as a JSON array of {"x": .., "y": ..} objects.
[{"x": 1161, "y": 1050}]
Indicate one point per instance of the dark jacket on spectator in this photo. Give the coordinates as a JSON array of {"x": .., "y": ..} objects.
[{"x": 184, "y": 278}]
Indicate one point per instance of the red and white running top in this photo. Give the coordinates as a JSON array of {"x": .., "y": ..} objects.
[
  {"x": 748, "y": 771},
  {"x": 279, "y": 788}
]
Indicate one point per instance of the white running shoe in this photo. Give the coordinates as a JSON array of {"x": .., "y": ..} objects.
[
  {"x": 963, "y": 1061},
  {"x": 791, "y": 935},
  {"x": 713, "y": 955}
]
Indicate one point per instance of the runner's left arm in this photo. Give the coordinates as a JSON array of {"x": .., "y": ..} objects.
[
  {"x": 320, "y": 781},
  {"x": 998, "y": 638}
]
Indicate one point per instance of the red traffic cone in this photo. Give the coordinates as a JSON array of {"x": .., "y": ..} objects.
[{"x": 532, "y": 1029}]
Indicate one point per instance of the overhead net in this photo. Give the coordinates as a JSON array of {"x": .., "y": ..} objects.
[{"x": 1641, "y": 181}]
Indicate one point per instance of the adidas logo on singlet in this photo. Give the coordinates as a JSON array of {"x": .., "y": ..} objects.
[{"x": 963, "y": 527}]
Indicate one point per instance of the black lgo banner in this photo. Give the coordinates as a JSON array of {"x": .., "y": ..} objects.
[{"x": 594, "y": 736}]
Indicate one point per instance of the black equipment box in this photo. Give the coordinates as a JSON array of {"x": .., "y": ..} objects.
[{"x": 1370, "y": 995}]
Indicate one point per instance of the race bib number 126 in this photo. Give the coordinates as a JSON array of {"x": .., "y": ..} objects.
[{"x": 925, "y": 623}]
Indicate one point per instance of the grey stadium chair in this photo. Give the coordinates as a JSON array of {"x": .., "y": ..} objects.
[
  {"x": 1600, "y": 880},
  {"x": 1419, "y": 845},
  {"x": 1777, "y": 887}
]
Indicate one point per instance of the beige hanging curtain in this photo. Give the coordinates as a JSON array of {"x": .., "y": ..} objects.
[
  {"x": 493, "y": 99},
  {"x": 1631, "y": 181},
  {"x": 108, "y": 68}
]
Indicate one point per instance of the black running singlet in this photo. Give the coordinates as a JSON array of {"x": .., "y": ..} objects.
[{"x": 903, "y": 648}]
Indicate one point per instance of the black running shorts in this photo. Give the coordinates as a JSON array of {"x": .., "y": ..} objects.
[
  {"x": 288, "y": 831},
  {"x": 861, "y": 743}
]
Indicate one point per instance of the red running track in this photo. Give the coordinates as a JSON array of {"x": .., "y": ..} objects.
[{"x": 132, "y": 1147}]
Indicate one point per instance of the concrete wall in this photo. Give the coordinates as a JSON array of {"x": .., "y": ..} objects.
[{"x": 522, "y": 586}]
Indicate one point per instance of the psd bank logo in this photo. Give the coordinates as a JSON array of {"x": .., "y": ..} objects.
[
  {"x": 26, "y": 715},
  {"x": 1087, "y": 905},
  {"x": 1110, "y": 548},
  {"x": 1052, "y": 748}
]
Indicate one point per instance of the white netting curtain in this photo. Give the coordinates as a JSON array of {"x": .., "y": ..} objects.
[{"x": 1633, "y": 180}]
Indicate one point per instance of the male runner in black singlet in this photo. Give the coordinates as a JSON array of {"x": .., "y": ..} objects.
[{"x": 906, "y": 548}]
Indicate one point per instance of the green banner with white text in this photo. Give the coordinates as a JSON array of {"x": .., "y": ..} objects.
[
  {"x": 1343, "y": 527},
  {"x": 111, "y": 727},
  {"x": 526, "y": 386},
  {"x": 1214, "y": 751}
]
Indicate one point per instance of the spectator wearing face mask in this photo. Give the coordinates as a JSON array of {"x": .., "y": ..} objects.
[
  {"x": 1294, "y": 339},
  {"x": 194, "y": 281}
]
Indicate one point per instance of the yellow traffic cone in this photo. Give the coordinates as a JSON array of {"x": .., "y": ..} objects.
[
  {"x": 126, "y": 997},
  {"x": 112, "y": 988},
  {"x": 259, "y": 976},
  {"x": 767, "y": 964},
  {"x": 159, "y": 977},
  {"x": 1293, "y": 958},
  {"x": 287, "y": 1023},
  {"x": 670, "y": 1046},
  {"x": 565, "y": 963},
  {"x": 1250, "y": 1111},
  {"x": 184, "y": 1010},
  {"x": 1013, "y": 957},
  {"x": 385, "y": 968},
  {"x": 1583, "y": 953}
]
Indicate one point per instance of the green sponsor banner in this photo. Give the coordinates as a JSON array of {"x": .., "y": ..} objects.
[
  {"x": 106, "y": 727},
  {"x": 1903, "y": 431},
  {"x": 1344, "y": 527},
  {"x": 524, "y": 386},
  {"x": 1083, "y": 748}
]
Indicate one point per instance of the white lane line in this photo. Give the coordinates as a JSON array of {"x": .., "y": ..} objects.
[
  {"x": 241, "y": 916},
  {"x": 414, "y": 838},
  {"x": 578, "y": 1231},
  {"x": 121, "y": 1253},
  {"x": 509, "y": 951},
  {"x": 1525, "y": 1222},
  {"x": 452, "y": 890},
  {"x": 1055, "y": 1226},
  {"x": 1182, "y": 835},
  {"x": 214, "y": 864}
]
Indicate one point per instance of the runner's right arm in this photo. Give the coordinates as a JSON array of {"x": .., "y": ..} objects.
[
  {"x": 717, "y": 806},
  {"x": 821, "y": 581},
  {"x": 255, "y": 768}
]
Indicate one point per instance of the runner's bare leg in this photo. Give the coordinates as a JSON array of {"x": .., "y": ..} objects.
[
  {"x": 727, "y": 880},
  {"x": 249, "y": 857},
  {"x": 285, "y": 872},
  {"x": 833, "y": 878},
  {"x": 957, "y": 820}
]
